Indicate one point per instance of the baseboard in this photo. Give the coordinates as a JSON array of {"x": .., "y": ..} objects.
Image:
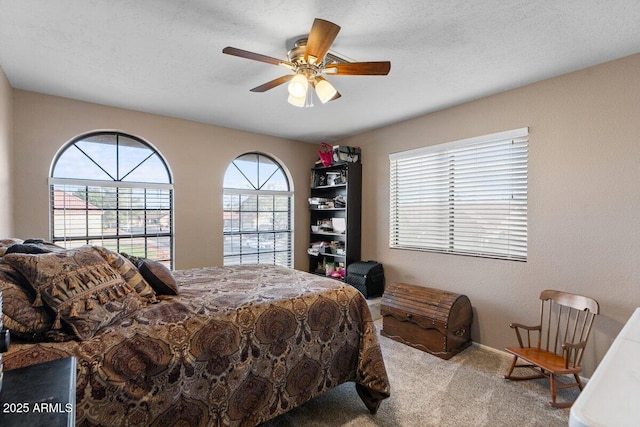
[{"x": 486, "y": 347}]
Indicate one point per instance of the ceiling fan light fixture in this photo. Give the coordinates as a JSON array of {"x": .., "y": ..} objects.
[
  {"x": 309, "y": 59},
  {"x": 298, "y": 86},
  {"x": 325, "y": 91}
]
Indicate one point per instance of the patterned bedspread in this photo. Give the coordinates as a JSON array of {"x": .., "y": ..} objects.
[{"x": 237, "y": 346}]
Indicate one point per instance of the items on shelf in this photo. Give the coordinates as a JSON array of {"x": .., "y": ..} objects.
[
  {"x": 327, "y": 203},
  {"x": 334, "y": 178},
  {"x": 326, "y": 248},
  {"x": 338, "y": 225},
  {"x": 344, "y": 153},
  {"x": 330, "y": 226},
  {"x": 325, "y": 154},
  {"x": 325, "y": 225},
  {"x": 333, "y": 269},
  {"x": 320, "y": 203},
  {"x": 327, "y": 178},
  {"x": 330, "y": 155}
]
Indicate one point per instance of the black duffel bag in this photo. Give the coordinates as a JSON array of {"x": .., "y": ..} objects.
[{"x": 367, "y": 277}]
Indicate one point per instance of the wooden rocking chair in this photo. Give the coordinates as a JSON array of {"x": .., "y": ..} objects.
[{"x": 561, "y": 337}]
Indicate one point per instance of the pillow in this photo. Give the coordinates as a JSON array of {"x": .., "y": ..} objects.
[
  {"x": 48, "y": 246},
  {"x": 25, "y": 248},
  {"x": 18, "y": 315},
  {"x": 158, "y": 276},
  {"x": 129, "y": 273},
  {"x": 81, "y": 288},
  {"x": 29, "y": 246}
]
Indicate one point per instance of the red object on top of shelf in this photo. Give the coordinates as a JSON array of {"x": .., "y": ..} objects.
[{"x": 326, "y": 154}]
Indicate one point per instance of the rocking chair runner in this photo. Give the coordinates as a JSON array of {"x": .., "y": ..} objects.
[{"x": 565, "y": 325}]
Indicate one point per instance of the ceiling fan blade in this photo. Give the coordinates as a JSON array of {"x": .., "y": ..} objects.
[
  {"x": 273, "y": 83},
  {"x": 321, "y": 36},
  {"x": 255, "y": 56},
  {"x": 378, "y": 68}
]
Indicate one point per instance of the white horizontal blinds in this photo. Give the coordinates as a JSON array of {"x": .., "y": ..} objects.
[
  {"x": 466, "y": 197},
  {"x": 124, "y": 217},
  {"x": 257, "y": 212},
  {"x": 257, "y": 227}
]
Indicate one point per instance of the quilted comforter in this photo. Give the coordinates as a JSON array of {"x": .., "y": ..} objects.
[{"x": 238, "y": 346}]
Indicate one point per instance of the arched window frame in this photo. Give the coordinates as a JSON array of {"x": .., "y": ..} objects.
[
  {"x": 149, "y": 235},
  {"x": 248, "y": 244}
]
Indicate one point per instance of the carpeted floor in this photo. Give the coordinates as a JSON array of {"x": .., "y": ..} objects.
[{"x": 466, "y": 390}]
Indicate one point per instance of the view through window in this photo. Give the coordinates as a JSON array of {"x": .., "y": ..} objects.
[
  {"x": 257, "y": 204},
  {"x": 113, "y": 190}
]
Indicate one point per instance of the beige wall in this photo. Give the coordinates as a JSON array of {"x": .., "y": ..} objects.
[
  {"x": 6, "y": 135},
  {"x": 583, "y": 200},
  {"x": 198, "y": 155},
  {"x": 584, "y": 172}
]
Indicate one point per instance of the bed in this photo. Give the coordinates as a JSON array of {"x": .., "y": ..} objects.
[{"x": 236, "y": 346}]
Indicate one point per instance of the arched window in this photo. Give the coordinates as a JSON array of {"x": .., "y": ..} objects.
[
  {"x": 258, "y": 203},
  {"x": 113, "y": 190}
]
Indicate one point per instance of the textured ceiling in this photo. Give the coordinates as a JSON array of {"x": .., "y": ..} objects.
[{"x": 165, "y": 56}]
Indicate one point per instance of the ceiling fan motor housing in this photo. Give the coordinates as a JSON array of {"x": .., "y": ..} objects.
[{"x": 296, "y": 54}]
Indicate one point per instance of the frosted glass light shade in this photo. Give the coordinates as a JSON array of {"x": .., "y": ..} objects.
[
  {"x": 298, "y": 86},
  {"x": 325, "y": 91},
  {"x": 297, "y": 101}
]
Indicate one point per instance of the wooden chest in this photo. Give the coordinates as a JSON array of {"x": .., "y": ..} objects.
[{"x": 432, "y": 320}]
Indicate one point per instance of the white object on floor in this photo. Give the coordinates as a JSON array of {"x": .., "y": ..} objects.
[{"x": 610, "y": 396}]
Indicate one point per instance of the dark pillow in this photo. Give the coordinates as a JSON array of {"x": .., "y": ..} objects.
[
  {"x": 18, "y": 315},
  {"x": 28, "y": 246},
  {"x": 158, "y": 276},
  {"x": 81, "y": 288},
  {"x": 25, "y": 248},
  {"x": 48, "y": 246}
]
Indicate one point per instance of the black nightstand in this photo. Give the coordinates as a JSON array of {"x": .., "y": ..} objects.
[{"x": 40, "y": 395}]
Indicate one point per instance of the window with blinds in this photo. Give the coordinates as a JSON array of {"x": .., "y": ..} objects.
[
  {"x": 466, "y": 197},
  {"x": 257, "y": 212},
  {"x": 113, "y": 190}
]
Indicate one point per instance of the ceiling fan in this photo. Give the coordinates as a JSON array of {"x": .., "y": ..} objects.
[{"x": 309, "y": 60}]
